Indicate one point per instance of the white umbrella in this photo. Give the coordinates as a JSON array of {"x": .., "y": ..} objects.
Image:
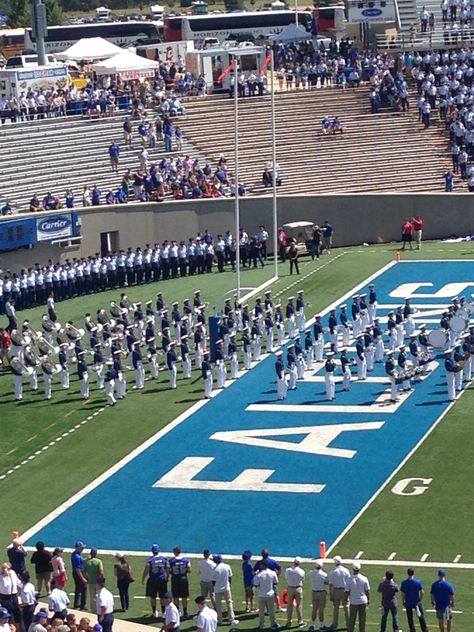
[{"x": 90, "y": 48}]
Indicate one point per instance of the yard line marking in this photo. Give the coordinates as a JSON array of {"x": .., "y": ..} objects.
[
  {"x": 324, "y": 265},
  {"x": 359, "y": 555},
  {"x": 457, "y": 558},
  {"x": 51, "y": 425},
  {"x": 31, "y": 438},
  {"x": 424, "y": 557},
  {"x": 391, "y": 556},
  {"x": 176, "y": 422},
  {"x": 69, "y": 413},
  {"x": 12, "y": 451}
]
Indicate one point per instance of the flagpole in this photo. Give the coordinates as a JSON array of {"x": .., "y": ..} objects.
[
  {"x": 274, "y": 183},
  {"x": 236, "y": 176}
]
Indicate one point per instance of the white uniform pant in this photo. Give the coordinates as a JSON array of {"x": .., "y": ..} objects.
[
  {"x": 187, "y": 367},
  {"x": 248, "y": 359},
  {"x": 330, "y": 385},
  {"x": 293, "y": 377},
  {"x": 48, "y": 380},
  {"x": 64, "y": 377},
  {"x": 280, "y": 334},
  {"x": 346, "y": 336},
  {"x": 226, "y": 345},
  {"x": 393, "y": 340},
  {"x": 458, "y": 380},
  {"x": 467, "y": 370},
  {"x": 372, "y": 310},
  {"x": 234, "y": 366},
  {"x": 257, "y": 348},
  {"x": 364, "y": 318},
  {"x": 221, "y": 373},
  {"x": 399, "y": 330},
  {"x": 451, "y": 379},
  {"x": 369, "y": 358},
  {"x": 139, "y": 375},
  {"x": 99, "y": 369},
  {"x": 198, "y": 357},
  {"x": 393, "y": 388},
  {"x": 309, "y": 358},
  {"x": 379, "y": 350},
  {"x": 172, "y": 373},
  {"x": 269, "y": 340},
  {"x": 208, "y": 384},
  {"x": 361, "y": 368},
  {"x": 300, "y": 367},
  {"x": 154, "y": 368},
  {"x": 356, "y": 325},
  {"x": 333, "y": 339},
  {"x": 291, "y": 327},
  {"x": 282, "y": 387},
  {"x": 319, "y": 349},
  {"x": 18, "y": 384},
  {"x": 109, "y": 391},
  {"x": 85, "y": 386},
  {"x": 346, "y": 378},
  {"x": 409, "y": 326},
  {"x": 301, "y": 320},
  {"x": 121, "y": 385},
  {"x": 34, "y": 379}
]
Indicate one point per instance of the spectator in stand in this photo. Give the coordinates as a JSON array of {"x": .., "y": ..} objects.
[
  {"x": 424, "y": 17},
  {"x": 448, "y": 181},
  {"x": 35, "y": 204},
  {"x": 69, "y": 199},
  {"x": 7, "y": 209},
  {"x": 417, "y": 223},
  {"x": 407, "y": 234},
  {"x": 114, "y": 153},
  {"x": 127, "y": 131}
]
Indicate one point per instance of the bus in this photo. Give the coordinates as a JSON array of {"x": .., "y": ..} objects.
[
  {"x": 120, "y": 33},
  {"x": 12, "y": 42},
  {"x": 330, "y": 20},
  {"x": 222, "y": 26}
]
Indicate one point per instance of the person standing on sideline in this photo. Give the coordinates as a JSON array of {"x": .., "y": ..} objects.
[
  {"x": 105, "y": 606},
  {"x": 318, "y": 588},
  {"x": 336, "y": 579},
  {"x": 294, "y": 576},
  {"x": 93, "y": 569},
  {"x": 58, "y": 601},
  {"x": 407, "y": 234},
  {"x": 41, "y": 558},
  {"x": 180, "y": 567},
  {"x": 388, "y": 589},
  {"x": 247, "y": 575},
  {"x": 172, "y": 618},
  {"x": 206, "y": 571},
  {"x": 206, "y": 620},
  {"x": 157, "y": 571},
  {"x": 442, "y": 599},
  {"x": 417, "y": 223},
  {"x": 412, "y": 594},
  {"x": 358, "y": 593},
  {"x": 452, "y": 368},
  {"x": 266, "y": 580},
  {"x": 292, "y": 255},
  {"x": 78, "y": 574},
  {"x": 222, "y": 579},
  {"x": 328, "y": 232},
  {"x": 123, "y": 573}
]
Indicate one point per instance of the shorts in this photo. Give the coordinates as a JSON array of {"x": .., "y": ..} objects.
[
  {"x": 46, "y": 576},
  {"x": 407, "y": 238},
  {"x": 180, "y": 587},
  {"x": 61, "y": 580},
  {"x": 207, "y": 589},
  {"x": 156, "y": 587},
  {"x": 114, "y": 160},
  {"x": 248, "y": 592},
  {"x": 441, "y": 614}
]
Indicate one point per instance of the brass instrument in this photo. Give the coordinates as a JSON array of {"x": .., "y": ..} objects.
[
  {"x": 48, "y": 325},
  {"x": 50, "y": 367},
  {"x": 31, "y": 357},
  {"x": 46, "y": 347},
  {"x": 115, "y": 310},
  {"x": 73, "y": 333},
  {"x": 20, "y": 367},
  {"x": 17, "y": 339}
]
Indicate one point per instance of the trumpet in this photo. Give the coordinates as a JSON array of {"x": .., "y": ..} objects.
[{"x": 46, "y": 347}]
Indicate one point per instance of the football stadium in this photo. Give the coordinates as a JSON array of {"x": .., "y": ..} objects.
[{"x": 237, "y": 320}]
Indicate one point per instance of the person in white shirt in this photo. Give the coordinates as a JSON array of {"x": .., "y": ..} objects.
[
  {"x": 27, "y": 599},
  {"x": 318, "y": 588},
  {"x": 337, "y": 586},
  {"x": 266, "y": 580},
  {"x": 294, "y": 576},
  {"x": 222, "y": 578},
  {"x": 9, "y": 590},
  {"x": 206, "y": 620},
  {"x": 58, "y": 601},
  {"x": 105, "y": 606},
  {"x": 206, "y": 573},
  {"x": 172, "y": 618},
  {"x": 358, "y": 593}
]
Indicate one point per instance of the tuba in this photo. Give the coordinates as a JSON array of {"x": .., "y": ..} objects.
[
  {"x": 46, "y": 347},
  {"x": 31, "y": 357},
  {"x": 115, "y": 310},
  {"x": 73, "y": 333},
  {"x": 17, "y": 339},
  {"x": 19, "y": 367},
  {"x": 49, "y": 367}
]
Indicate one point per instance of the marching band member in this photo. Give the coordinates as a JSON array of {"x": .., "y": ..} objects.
[
  {"x": 109, "y": 382},
  {"x": 390, "y": 371},
  {"x": 17, "y": 347},
  {"x": 137, "y": 363},
  {"x": 458, "y": 358},
  {"x": 300, "y": 310},
  {"x": 318, "y": 335},
  {"x": 423, "y": 339},
  {"x": 309, "y": 350},
  {"x": 31, "y": 363},
  {"x": 332, "y": 324},
  {"x": 282, "y": 385},
  {"x": 185, "y": 357},
  {"x": 364, "y": 311},
  {"x": 399, "y": 326},
  {"x": 234, "y": 359},
  {"x": 206, "y": 375},
  {"x": 378, "y": 341},
  {"x": 451, "y": 369},
  {"x": 198, "y": 345},
  {"x": 346, "y": 370},
  {"x": 238, "y": 315},
  {"x": 258, "y": 314},
  {"x": 401, "y": 361},
  {"x": 188, "y": 312},
  {"x": 467, "y": 350},
  {"x": 392, "y": 331},
  {"x": 150, "y": 313},
  {"x": 98, "y": 360},
  {"x": 279, "y": 324},
  {"x": 414, "y": 355},
  {"x": 355, "y": 312},
  {"x": 130, "y": 341},
  {"x": 120, "y": 381},
  {"x": 330, "y": 367},
  {"x": 408, "y": 312},
  {"x": 291, "y": 364},
  {"x": 245, "y": 316},
  {"x": 227, "y": 306},
  {"x": 51, "y": 308},
  {"x": 256, "y": 339},
  {"x": 372, "y": 306},
  {"x": 89, "y": 325},
  {"x": 268, "y": 331},
  {"x": 47, "y": 326},
  {"x": 83, "y": 375},
  {"x": 153, "y": 357},
  {"x": 247, "y": 348},
  {"x": 176, "y": 320},
  {"x": 221, "y": 369},
  {"x": 290, "y": 317},
  {"x": 63, "y": 362},
  {"x": 224, "y": 334},
  {"x": 47, "y": 367},
  {"x": 368, "y": 349},
  {"x": 360, "y": 359},
  {"x": 300, "y": 363},
  {"x": 346, "y": 330},
  {"x": 139, "y": 319},
  {"x": 171, "y": 360},
  {"x": 268, "y": 302},
  {"x": 17, "y": 369}
]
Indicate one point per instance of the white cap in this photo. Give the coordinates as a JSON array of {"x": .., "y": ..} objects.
[
  {"x": 356, "y": 565},
  {"x": 319, "y": 563},
  {"x": 337, "y": 559},
  {"x": 297, "y": 560}
]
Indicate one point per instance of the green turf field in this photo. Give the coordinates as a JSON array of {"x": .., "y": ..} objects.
[{"x": 71, "y": 445}]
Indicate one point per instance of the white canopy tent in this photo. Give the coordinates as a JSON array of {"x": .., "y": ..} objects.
[
  {"x": 291, "y": 33},
  {"x": 127, "y": 64},
  {"x": 90, "y": 48}
]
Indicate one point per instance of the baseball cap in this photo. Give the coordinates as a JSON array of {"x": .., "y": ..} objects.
[
  {"x": 4, "y": 614},
  {"x": 441, "y": 572},
  {"x": 200, "y": 599},
  {"x": 169, "y": 594},
  {"x": 97, "y": 627},
  {"x": 337, "y": 559},
  {"x": 246, "y": 555},
  {"x": 319, "y": 563},
  {"x": 217, "y": 557},
  {"x": 41, "y": 614},
  {"x": 155, "y": 547},
  {"x": 356, "y": 565},
  {"x": 80, "y": 544},
  {"x": 297, "y": 560}
]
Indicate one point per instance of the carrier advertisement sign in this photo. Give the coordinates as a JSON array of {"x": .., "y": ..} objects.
[
  {"x": 54, "y": 227},
  {"x": 371, "y": 12}
]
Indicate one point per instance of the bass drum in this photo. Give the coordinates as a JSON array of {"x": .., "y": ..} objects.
[
  {"x": 458, "y": 323},
  {"x": 438, "y": 338}
]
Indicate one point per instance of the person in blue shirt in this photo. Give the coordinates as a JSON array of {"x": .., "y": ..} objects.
[
  {"x": 412, "y": 593},
  {"x": 442, "y": 599},
  {"x": 247, "y": 573},
  {"x": 95, "y": 196},
  {"x": 69, "y": 199},
  {"x": 114, "y": 153},
  {"x": 328, "y": 231},
  {"x": 17, "y": 557},
  {"x": 179, "y": 568},
  {"x": 80, "y": 580},
  {"x": 156, "y": 573}
]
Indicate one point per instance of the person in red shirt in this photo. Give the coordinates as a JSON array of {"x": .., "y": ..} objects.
[
  {"x": 407, "y": 234},
  {"x": 282, "y": 244},
  {"x": 417, "y": 223},
  {"x": 5, "y": 344}
]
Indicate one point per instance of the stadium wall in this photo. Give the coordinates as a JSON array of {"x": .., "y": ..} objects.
[{"x": 356, "y": 218}]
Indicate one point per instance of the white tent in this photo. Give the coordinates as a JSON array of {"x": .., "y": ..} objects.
[
  {"x": 90, "y": 48},
  {"x": 291, "y": 33},
  {"x": 128, "y": 64}
]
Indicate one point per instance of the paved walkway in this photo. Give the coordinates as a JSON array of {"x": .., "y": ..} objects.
[{"x": 119, "y": 624}]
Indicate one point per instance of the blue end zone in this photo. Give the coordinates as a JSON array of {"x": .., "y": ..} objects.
[{"x": 126, "y": 512}]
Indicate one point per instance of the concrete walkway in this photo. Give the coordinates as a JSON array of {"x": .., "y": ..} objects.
[{"x": 120, "y": 625}]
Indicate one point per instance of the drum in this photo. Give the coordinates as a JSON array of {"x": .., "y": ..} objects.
[
  {"x": 457, "y": 323},
  {"x": 463, "y": 313},
  {"x": 438, "y": 338}
]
